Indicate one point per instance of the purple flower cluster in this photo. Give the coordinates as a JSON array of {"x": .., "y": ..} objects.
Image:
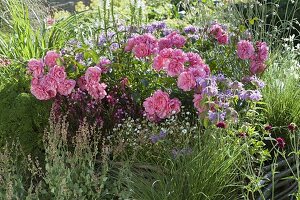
[
  {"x": 155, "y": 26},
  {"x": 220, "y": 96},
  {"x": 155, "y": 138}
]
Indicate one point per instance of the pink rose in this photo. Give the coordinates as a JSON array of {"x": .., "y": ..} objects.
[
  {"x": 35, "y": 81},
  {"x": 166, "y": 53},
  {"x": 178, "y": 41},
  {"x": 50, "y": 81},
  {"x": 36, "y": 67},
  {"x": 43, "y": 88},
  {"x": 160, "y": 62},
  {"x": 93, "y": 74},
  {"x": 174, "y": 106},
  {"x": 198, "y": 72},
  {"x": 194, "y": 59},
  {"x": 262, "y": 51},
  {"x": 164, "y": 43},
  {"x": 51, "y": 58},
  {"x": 96, "y": 90},
  {"x": 216, "y": 30},
  {"x": 50, "y": 85},
  {"x": 65, "y": 87},
  {"x": 82, "y": 83},
  {"x": 174, "y": 68},
  {"x": 223, "y": 39},
  {"x": 130, "y": 44},
  {"x": 142, "y": 45},
  {"x": 149, "y": 106},
  {"x": 206, "y": 69},
  {"x": 152, "y": 118},
  {"x": 257, "y": 67},
  {"x": 160, "y": 103},
  {"x": 51, "y": 91},
  {"x": 245, "y": 49},
  {"x": 39, "y": 92},
  {"x": 141, "y": 50},
  {"x": 104, "y": 62},
  {"x": 179, "y": 56},
  {"x": 197, "y": 103},
  {"x": 58, "y": 73},
  {"x": 186, "y": 81}
]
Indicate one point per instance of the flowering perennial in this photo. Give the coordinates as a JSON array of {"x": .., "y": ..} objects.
[
  {"x": 257, "y": 56},
  {"x": 160, "y": 106}
]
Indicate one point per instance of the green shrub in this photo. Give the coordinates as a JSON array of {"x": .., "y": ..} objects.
[{"x": 22, "y": 116}]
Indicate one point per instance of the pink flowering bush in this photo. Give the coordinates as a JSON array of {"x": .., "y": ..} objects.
[
  {"x": 257, "y": 56},
  {"x": 179, "y": 64},
  {"x": 142, "y": 45},
  {"x": 213, "y": 96},
  {"x": 160, "y": 106},
  {"x": 49, "y": 79},
  {"x": 219, "y": 34}
]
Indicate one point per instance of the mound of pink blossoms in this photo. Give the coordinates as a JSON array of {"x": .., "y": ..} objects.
[
  {"x": 142, "y": 45},
  {"x": 159, "y": 106},
  {"x": 46, "y": 86},
  {"x": 217, "y": 31},
  {"x": 257, "y": 56},
  {"x": 50, "y": 79},
  {"x": 172, "y": 40}
]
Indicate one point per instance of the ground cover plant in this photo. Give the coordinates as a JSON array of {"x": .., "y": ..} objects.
[{"x": 138, "y": 100}]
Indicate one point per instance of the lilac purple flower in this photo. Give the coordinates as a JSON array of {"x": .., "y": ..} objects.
[
  {"x": 255, "y": 96},
  {"x": 210, "y": 90},
  {"x": 114, "y": 46},
  {"x": 167, "y": 31},
  {"x": 235, "y": 85},
  {"x": 155, "y": 138},
  {"x": 190, "y": 29}
]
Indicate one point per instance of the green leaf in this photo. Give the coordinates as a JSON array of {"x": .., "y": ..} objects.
[{"x": 252, "y": 21}]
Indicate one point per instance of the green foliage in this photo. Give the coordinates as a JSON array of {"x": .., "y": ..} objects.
[
  {"x": 208, "y": 173},
  {"x": 22, "y": 116},
  {"x": 23, "y": 41},
  {"x": 78, "y": 171},
  {"x": 282, "y": 94},
  {"x": 269, "y": 21}
]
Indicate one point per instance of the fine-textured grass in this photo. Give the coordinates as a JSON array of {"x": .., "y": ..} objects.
[
  {"x": 22, "y": 40},
  {"x": 282, "y": 94},
  {"x": 209, "y": 172}
]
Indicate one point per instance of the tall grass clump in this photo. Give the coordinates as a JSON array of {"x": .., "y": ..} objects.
[
  {"x": 207, "y": 172},
  {"x": 28, "y": 35},
  {"x": 176, "y": 159},
  {"x": 281, "y": 93}
]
